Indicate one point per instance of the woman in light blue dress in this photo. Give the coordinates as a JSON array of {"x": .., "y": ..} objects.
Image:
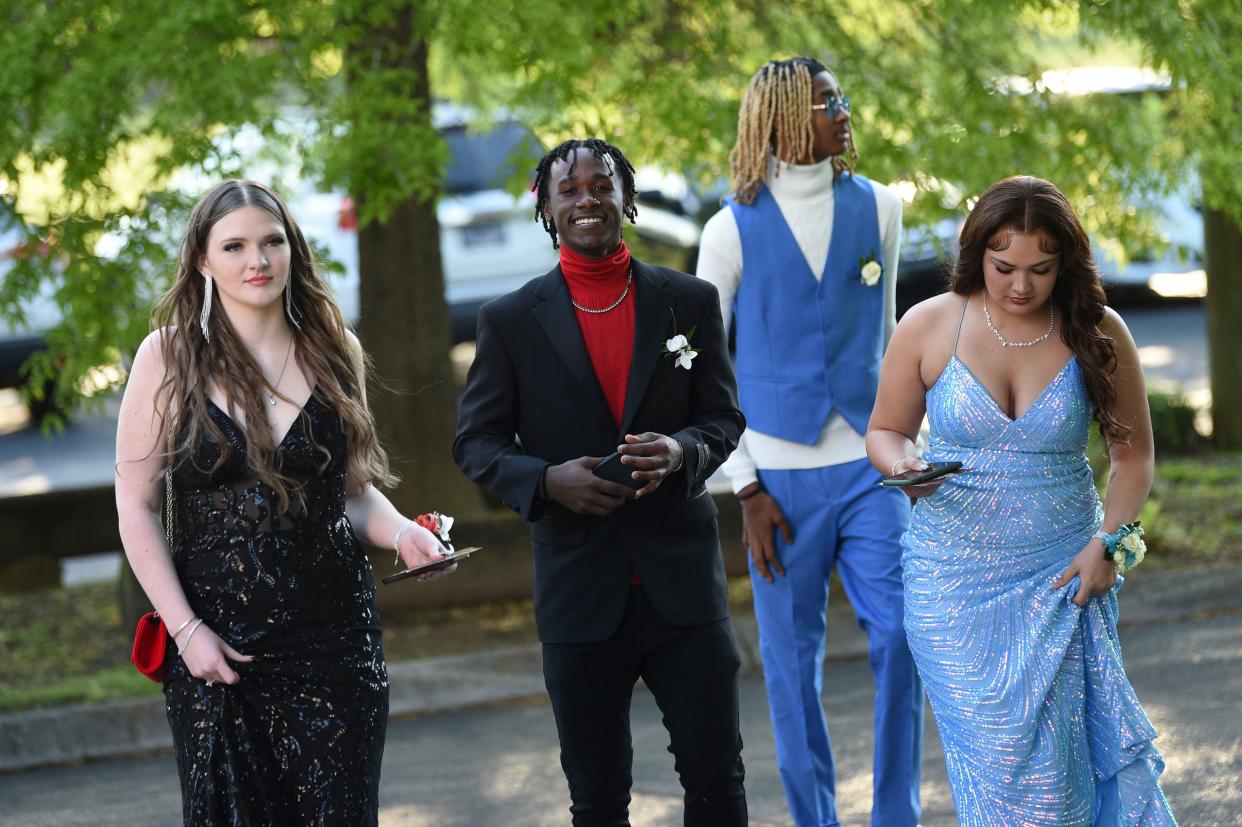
[{"x": 1010, "y": 600}]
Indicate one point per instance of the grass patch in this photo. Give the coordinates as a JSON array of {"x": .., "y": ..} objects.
[
  {"x": 65, "y": 646},
  {"x": 1194, "y": 514},
  {"x": 104, "y": 685}
]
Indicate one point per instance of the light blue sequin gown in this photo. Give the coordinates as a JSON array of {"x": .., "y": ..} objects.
[{"x": 1039, "y": 723}]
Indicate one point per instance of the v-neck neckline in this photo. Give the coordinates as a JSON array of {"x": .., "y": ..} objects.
[
  {"x": 1000, "y": 410},
  {"x": 288, "y": 431},
  {"x": 822, "y": 276}
]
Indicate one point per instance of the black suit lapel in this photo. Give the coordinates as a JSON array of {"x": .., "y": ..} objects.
[
  {"x": 653, "y": 324},
  {"x": 556, "y": 315}
]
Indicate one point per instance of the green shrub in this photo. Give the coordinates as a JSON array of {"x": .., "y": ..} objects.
[{"x": 1173, "y": 425}]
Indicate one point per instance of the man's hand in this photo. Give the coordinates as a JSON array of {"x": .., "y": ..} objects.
[
  {"x": 652, "y": 456},
  {"x": 761, "y": 516},
  {"x": 574, "y": 486}
]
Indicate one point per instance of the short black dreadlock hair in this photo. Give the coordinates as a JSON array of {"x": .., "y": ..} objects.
[
  {"x": 600, "y": 149},
  {"x": 812, "y": 65}
]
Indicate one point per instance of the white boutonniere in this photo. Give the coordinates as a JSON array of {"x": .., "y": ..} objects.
[
  {"x": 870, "y": 270},
  {"x": 679, "y": 348}
]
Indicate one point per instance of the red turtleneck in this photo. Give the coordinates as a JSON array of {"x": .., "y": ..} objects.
[{"x": 609, "y": 337}]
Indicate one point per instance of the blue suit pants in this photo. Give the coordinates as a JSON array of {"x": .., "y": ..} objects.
[{"x": 840, "y": 518}]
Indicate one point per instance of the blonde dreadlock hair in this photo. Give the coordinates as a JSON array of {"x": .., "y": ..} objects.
[{"x": 775, "y": 116}]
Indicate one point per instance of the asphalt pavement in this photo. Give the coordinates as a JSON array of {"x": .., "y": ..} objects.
[{"x": 497, "y": 764}]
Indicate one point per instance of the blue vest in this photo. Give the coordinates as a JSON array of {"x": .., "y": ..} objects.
[{"x": 806, "y": 348}]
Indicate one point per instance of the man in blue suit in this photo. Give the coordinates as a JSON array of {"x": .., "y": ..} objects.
[{"x": 804, "y": 256}]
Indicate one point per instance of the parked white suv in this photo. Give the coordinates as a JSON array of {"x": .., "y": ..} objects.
[{"x": 490, "y": 242}]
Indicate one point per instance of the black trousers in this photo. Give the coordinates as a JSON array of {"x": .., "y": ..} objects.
[{"x": 692, "y": 673}]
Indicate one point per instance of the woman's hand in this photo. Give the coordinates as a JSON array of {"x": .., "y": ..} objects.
[
  {"x": 207, "y": 657},
  {"x": 916, "y": 492},
  {"x": 418, "y": 547},
  {"x": 1095, "y": 572}
]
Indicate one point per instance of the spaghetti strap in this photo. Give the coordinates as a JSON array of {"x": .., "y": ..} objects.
[{"x": 956, "y": 338}]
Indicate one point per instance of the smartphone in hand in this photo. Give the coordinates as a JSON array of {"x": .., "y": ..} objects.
[
  {"x": 427, "y": 568},
  {"x": 933, "y": 471},
  {"x": 612, "y": 469}
]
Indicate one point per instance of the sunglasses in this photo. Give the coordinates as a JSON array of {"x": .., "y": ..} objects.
[{"x": 833, "y": 105}]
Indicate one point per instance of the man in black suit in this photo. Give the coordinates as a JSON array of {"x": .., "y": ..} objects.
[{"x": 584, "y": 361}]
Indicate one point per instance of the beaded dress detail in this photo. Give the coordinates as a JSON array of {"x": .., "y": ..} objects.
[
  {"x": 298, "y": 741},
  {"x": 1038, "y": 721}
]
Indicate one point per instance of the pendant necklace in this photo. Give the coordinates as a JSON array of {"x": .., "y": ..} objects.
[
  {"x": 1052, "y": 320},
  {"x": 271, "y": 396}
]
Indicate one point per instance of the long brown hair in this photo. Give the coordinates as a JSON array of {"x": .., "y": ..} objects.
[
  {"x": 775, "y": 116},
  {"x": 193, "y": 363},
  {"x": 1026, "y": 204}
]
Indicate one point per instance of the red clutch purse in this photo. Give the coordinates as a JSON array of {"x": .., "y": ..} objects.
[{"x": 150, "y": 642}]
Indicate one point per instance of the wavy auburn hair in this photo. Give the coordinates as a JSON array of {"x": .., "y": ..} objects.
[
  {"x": 325, "y": 351},
  {"x": 1026, "y": 204}
]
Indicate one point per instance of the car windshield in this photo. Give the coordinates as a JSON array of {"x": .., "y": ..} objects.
[{"x": 485, "y": 160}]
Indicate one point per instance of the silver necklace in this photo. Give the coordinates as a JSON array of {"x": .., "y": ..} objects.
[
  {"x": 1052, "y": 320},
  {"x": 271, "y": 396},
  {"x": 628, "y": 280}
]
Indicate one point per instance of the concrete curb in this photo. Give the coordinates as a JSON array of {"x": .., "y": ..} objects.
[{"x": 88, "y": 732}]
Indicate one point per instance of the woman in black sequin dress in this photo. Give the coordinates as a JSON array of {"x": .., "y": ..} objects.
[{"x": 250, "y": 395}]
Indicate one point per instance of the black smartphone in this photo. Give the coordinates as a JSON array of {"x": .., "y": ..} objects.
[
  {"x": 612, "y": 469},
  {"x": 933, "y": 471},
  {"x": 461, "y": 554}
]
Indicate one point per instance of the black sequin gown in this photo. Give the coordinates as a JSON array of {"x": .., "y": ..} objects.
[{"x": 298, "y": 741}]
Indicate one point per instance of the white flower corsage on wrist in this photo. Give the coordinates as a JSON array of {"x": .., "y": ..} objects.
[
  {"x": 1125, "y": 546},
  {"x": 870, "y": 270},
  {"x": 679, "y": 348}
]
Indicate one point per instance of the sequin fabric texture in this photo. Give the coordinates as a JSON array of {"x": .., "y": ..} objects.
[
  {"x": 298, "y": 741},
  {"x": 1039, "y": 723}
]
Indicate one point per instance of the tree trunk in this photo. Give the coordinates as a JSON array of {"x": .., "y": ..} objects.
[
  {"x": 405, "y": 326},
  {"x": 1223, "y": 245}
]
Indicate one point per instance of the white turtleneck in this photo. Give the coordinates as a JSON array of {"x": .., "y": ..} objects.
[{"x": 805, "y": 197}]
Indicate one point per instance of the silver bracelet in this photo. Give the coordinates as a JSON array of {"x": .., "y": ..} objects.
[
  {"x": 189, "y": 637},
  {"x": 396, "y": 541},
  {"x": 181, "y": 628}
]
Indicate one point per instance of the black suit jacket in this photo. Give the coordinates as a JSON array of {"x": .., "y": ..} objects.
[{"x": 532, "y": 399}]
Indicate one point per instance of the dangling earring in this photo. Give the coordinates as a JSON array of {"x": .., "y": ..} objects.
[
  {"x": 205, "y": 316},
  {"x": 289, "y": 302}
]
